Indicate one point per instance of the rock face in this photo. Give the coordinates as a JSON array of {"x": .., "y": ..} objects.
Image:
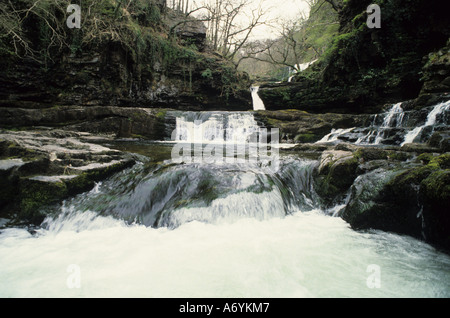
[
  {"x": 103, "y": 78},
  {"x": 303, "y": 127},
  {"x": 366, "y": 68},
  {"x": 41, "y": 168},
  {"x": 437, "y": 71},
  {"x": 119, "y": 121},
  {"x": 158, "y": 61},
  {"x": 388, "y": 190}
]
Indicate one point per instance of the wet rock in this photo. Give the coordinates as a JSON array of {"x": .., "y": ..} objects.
[
  {"x": 303, "y": 127},
  {"x": 440, "y": 140},
  {"x": 120, "y": 121},
  {"x": 411, "y": 199},
  {"x": 371, "y": 206},
  {"x": 335, "y": 174},
  {"x": 435, "y": 194},
  {"x": 40, "y": 168}
]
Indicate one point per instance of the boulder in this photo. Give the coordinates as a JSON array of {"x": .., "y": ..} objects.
[
  {"x": 411, "y": 200},
  {"x": 335, "y": 174},
  {"x": 41, "y": 168}
]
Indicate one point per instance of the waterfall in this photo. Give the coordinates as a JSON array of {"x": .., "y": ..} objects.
[
  {"x": 258, "y": 103},
  {"x": 162, "y": 229},
  {"x": 392, "y": 119},
  {"x": 215, "y": 127},
  {"x": 334, "y": 135},
  {"x": 299, "y": 68},
  {"x": 412, "y": 135}
]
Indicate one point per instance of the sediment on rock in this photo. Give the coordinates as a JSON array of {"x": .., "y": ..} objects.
[{"x": 38, "y": 169}]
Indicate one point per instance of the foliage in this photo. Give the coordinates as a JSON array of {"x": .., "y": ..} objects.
[
  {"x": 37, "y": 29},
  {"x": 301, "y": 41}
]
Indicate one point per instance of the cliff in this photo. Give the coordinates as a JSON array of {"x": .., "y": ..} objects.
[
  {"x": 141, "y": 55},
  {"x": 365, "y": 68}
]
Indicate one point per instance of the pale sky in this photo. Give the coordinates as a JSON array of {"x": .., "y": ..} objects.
[
  {"x": 288, "y": 9},
  {"x": 277, "y": 11}
]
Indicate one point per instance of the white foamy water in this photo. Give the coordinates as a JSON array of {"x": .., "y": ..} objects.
[
  {"x": 215, "y": 127},
  {"x": 258, "y": 103},
  {"x": 392, "y": 119},
  {"x": 431, "y": 120},
  {"x": 334, "y": 135},
  {"x": 303, "y": 255}
]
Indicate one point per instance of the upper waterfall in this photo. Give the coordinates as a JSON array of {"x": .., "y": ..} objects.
[
  {"x": 258, "y": 104},
  {"x": 392, "y": 119}
]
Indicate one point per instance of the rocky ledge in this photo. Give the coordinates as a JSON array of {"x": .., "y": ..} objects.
[
  {"x": 123, "y": 122},
  {"x": 401, "y": 190},
  {"x": 39, "y": 168}
]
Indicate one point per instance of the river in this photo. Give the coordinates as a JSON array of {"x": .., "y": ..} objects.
[{"x": 207, "y": 230}]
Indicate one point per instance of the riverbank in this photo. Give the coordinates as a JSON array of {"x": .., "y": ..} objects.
[{"x": 396, "y": 189}]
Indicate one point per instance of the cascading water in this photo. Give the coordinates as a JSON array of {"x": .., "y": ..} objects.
[
  {"x": 258, "y": 103},
  {"x": 395, "y": 127},
  {"x": 202, "y": 230},
  {"x": 334, "y": 135},
  {"x": 392, "y": 119},
  {"x": 209, "y": 127},
  {"x": 431, "y": 121}
]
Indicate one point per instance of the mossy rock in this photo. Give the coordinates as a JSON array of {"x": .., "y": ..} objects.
[
  {"x": 336, "y": 175},
  {"x": 35, "y": 194},
  {"x": 399, "y": 155},
  {"x": 412, "y": 201},
  {"x": 306, "y": 138},
  {"x": 375, "y": 204},
  {"x": 442, "y": 161},
  {"x": 435, "y": 193},
  {"x": 425, "y": 158},
  {"x": 368, "y": 154}
]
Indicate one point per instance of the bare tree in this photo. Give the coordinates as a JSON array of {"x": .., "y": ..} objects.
[
  {"x": 12, "y": 18},
  {"x": 296, "y": 43},
  {"x": 231, "y": 23}
]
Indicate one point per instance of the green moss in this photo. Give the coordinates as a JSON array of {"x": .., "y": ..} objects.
[
  {"x": 410, "y": 177},
  {"x": 425, "y": 158},
  {"x": 437, "y": 186},
  {"x": 161, "y": 114},
  {"x": 79, "y": 184},
  {"x": 368, "y": 154},
  {"x": 306, "y": 138},
  {"x": 442, "y": 161},
  {"x": 399, "y": 155},
  {"x": 36, "y": 194}
]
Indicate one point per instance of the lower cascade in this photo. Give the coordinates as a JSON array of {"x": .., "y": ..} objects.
[
  {"x": 395, "y": 127},
  {"x": 199, "y": 229}
]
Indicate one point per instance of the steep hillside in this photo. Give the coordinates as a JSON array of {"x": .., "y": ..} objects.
[
  {"x": 366, "y": 68},
  {"x": 137, "y": 55}
]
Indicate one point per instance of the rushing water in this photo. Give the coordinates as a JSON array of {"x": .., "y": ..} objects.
[
  {"x": 395, "y": 127},
  {"x": 165, "y": 229},
  {"x": 431, "y": 121},
  {"x": 215, "y": 127},
  {"x": 258, "y": 103}
]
